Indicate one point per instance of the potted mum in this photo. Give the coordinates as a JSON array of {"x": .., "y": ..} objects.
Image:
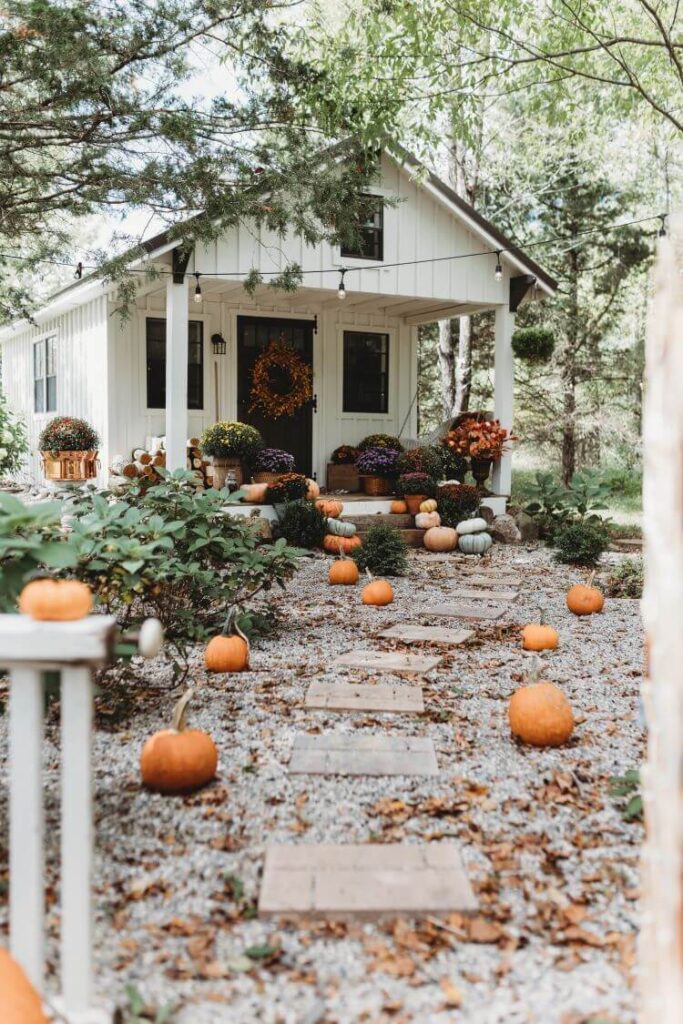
[
  {"x": 270, "y": 463},
  {"x": 289, "y": 487},
  {"x": 68, "y": 447},
  {"x": 342, "y": 474},
  {"x": 378, "y": 469},
  {"x": 233, "y": 446},
  {"x": 414, "y": 488},
  {"x": 380, "y": 441}
]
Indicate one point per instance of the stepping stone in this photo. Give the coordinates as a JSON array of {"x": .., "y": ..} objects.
[
  {"x": 358, "y": 697},
  {"x": 484, "y": 595},
  {"x": 365, "y": 754},
  {"x": 387, "y": 661},
  {"x": 367, "y": 881},
  {"x": 477, "y": 580},
  {"x": 465, "y": 611},
  {"x": 435, "y": 634}
]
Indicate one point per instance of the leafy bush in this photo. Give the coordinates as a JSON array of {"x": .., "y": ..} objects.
[
  {"x": 457, "y": 502},
  {"x": 416, "y": 483},
  {"x": 379, "y": 461},
  {"x": 626, "y": 792},
  {"x": 274, "y": 460},
  {"x": 67, "y": 434},
  {"x": 626, "y": 579},
  {"x": 31, "y": 540},
  {"x": 380, "y": 441},
  {"x": 13, "y": 439},
  {"x": 420, "y": 460},
  {"x": 230, "y": 440},
  {"x": 302, "y": 524},
  {"x": 344, "y": 455},
  {"x": 580, "y": 543},
  {"x": 535, "y": 344},
  {"x": 554, "y": 505},
  {"x": 383, "y": 551},
  {"x": 289, "y": 487}
]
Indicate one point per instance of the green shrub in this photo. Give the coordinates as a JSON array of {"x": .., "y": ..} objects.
[
  {"x": 535, "y": 344},
  {"x": 626, "y": 579},
  {"x": 580, "y": 543},
  {"x": 457, "y": 502},
  {"x": 13, "y": 439},
  {"x": 420, "y": 460},
  {"x": 31, "y": 540},
  {"x": 383, "y": 552},
  {"x": 555, "y": 506},
  {"x": 302, "y": 524}
]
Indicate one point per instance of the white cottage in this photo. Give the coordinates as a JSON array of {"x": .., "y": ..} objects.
[{"x": 177, "y": 365}]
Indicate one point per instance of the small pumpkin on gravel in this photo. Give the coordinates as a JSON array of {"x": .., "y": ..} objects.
[
  {"x": 585, "y": 599},
  {"x": 539, "y": 714},
  {"x": 178, "y": 760},
  {"x": 49, "y": 600},
  {"x": 343, "y": 571},
  {"x": 398, "y": 508},
  {"x": 429, "y": 505},
  {"x": 229, "y": 651},
  {"x": 19, "y": 1001},
  {"x": 440, "y": 538},
  {"x": 336, "y": 544},
  {"x": 377, "y": 592},
  {"x": 330, "y": 508},
  {"x": 537, "y": 636}
]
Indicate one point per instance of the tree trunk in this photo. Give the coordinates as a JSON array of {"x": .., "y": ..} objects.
[
  {"x": 463, "y": 372},
  {"x": 446, "y": 366},
  {"x": 569, "y": 375}
]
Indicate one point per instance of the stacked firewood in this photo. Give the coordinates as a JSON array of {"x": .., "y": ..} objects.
[{"x": 146, "y": 463}]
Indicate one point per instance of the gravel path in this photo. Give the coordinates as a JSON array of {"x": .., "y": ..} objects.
[{"x": 553, "y": 864}]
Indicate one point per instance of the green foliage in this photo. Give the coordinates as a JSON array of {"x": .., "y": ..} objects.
[
  {"x": 421, "y": 460},
  {"x": 626, "y": 579},
  {"x": 302, "y": 524},
  {"x": 554, "y": 505},
  {"x": 380, "y": 441},
  {"x": 68, "y": 434},
  {"x": 534, "y": 344},
  {"x": 289, "y": 487},
  {"x": 13, "y": 439},
  {"x": 384, "y": 552},
  {"x": 232, "y": 440},
  {"x": 457, "y": 502},
  {"x": 136, "y": 1011},
  {"x": 453, "y": 465},
  {"x": 31, "y": 541},
  {"x": 625, "y": 791},
  {"x": 580, "y": 543}
]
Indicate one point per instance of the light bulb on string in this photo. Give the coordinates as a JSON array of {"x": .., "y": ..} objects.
[
  {"x": 498, "y": 272},
  {"x": 197, "y": 290},
  {"x": 662, "y": 226},
  {"x": 341, "y": 291}
]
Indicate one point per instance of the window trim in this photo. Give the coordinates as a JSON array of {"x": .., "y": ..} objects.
[
  {"x": 43, "y": 340},
  {"x": 359, "y": 257},
  {"x": 200, "y": 318},
  {"x": 379, "y": 417}
]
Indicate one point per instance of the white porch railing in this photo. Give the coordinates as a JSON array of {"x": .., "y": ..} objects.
[{"x": 28, "y": 649}]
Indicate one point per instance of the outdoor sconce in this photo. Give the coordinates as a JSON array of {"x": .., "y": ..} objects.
[{"x": 218, "y": 344}]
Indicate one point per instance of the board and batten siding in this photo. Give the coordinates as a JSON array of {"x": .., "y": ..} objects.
[{"x": 81, "y": 369}]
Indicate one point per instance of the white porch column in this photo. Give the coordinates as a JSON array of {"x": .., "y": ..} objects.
[
  {"x": 177, "y": 313},
  {"x": 504, "y": 385}
]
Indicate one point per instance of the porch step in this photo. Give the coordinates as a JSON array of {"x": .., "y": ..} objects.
[
  {"x": 402, "y": 522},
  {"x": 413, "y": 538}
]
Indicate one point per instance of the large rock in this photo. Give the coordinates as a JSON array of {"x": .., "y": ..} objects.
[
  {"x": 504, "y": 530},
  {"x": 486, "y": 513},
  {"x": 528, "y": 527}
]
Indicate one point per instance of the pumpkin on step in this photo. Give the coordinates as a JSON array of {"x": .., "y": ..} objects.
[
  {"x": 471, "y": 526},
  {"x": 440, "y": 538},
  {"x": 475, "y": 543},
  {"x": 330, "y": 508},
  {"x": 377, "y": 592},
  {"x": 427, "y": 520},
  {"x": 540, "y": 714},
  {"x": 336, "y": 544},
  {"x": 585, "y": 599},
  {"x": 228, "y": 652},
  {"x": 343, "y": 571},
  {"x": 398, "y": 508},
  {"x": 178, "y": 760},
  {"x": 428, "y": 506},
  {"x": 254, "y": 493},
  {"x": 341, "y": 528},
  {"x": 50, "y": 600},
  {"x": 19, "y": 1001},
  {"x": 313, "y": 489}
]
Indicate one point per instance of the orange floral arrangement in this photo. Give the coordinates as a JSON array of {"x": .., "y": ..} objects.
[
  {"x": 478, "y": 439},
  {"x": 264, "y": 394}
]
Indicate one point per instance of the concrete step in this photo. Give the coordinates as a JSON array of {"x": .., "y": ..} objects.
[
  {"x": 402, "y": 522},
  {"x": 413, "y": 538}
]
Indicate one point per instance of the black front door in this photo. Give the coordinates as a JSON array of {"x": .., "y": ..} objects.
[{"x": 293, "y": 433}]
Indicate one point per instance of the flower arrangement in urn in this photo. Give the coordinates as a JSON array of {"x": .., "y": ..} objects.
[
  {"x": 482, "y": 440},
  {"x": 69, "y": 446},
  {"x": 231, "y": 444},
  {"x": 378, "y": 467},
  {"x": 270, "y": 463}
]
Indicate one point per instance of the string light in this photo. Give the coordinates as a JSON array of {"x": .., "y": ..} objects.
[
  {"x": 341, "y": 291},
  {"x": 662, "y": 227},
  {"x": 197, "y": 289},
  {"x": 78, "y": 273},
  {"x": 499, "y": 268}
]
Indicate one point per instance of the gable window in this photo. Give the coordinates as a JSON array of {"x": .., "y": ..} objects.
[
  {"x": 44, "y": 375},
  {"x": 156, "y": 364},
  {"x": 366, "y": 372},
  {"x": 370, "y": 245}
]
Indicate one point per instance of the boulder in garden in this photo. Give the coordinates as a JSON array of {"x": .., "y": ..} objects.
[{"x": 504, "y": 530}]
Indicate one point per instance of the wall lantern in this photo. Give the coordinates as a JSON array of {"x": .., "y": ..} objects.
[{"x": 218, "y": 344}]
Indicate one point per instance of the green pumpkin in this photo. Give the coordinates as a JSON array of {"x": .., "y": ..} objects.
[
  {"x": 340, "y": 528},
  {"x": 475, "y": 543}
]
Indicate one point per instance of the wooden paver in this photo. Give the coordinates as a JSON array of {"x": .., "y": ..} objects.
[
  {"x": 411, "y": 634},
  {"x": 465, "y": 611},
  {"x": 489, "y": 580},
  {"x": 387, "y": 661},
  {"x": 362, "y": 697},
  {"x": 368, "y": 881},
  {"x": 362, "y": 754},
  {"x": 484, "y": 595}
]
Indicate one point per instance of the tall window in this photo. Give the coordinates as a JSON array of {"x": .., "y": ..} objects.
[
  {"x": 156, "y": 364},
  {"x": 370, "y": 245},
  {"x": 366, "y": 372},
  {"x": 44, "y": 376}
]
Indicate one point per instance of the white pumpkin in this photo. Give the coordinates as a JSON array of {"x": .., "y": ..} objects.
[
  {"x": 426, "y": 520},
  {"x": 471, "y": 526}
]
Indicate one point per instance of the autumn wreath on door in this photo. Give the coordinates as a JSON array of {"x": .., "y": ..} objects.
[{"x": 281, "y": 381}]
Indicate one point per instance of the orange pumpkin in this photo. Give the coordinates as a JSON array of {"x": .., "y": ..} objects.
[
  {"x": 177, "y": 760},
  {"x": 19, "y": 1001},
  {"x": 539, "y": 637},
  {"x": 313, "y": 489},
  {"x": 336, "y": 544},
  {"x": 399, "y": 508},
  {"x": 254, "y": 493},
  {"x": 377, "y": 592},
  {"x": 229, "y": 651},
  {"x": 440, "y": 538},
  {"x": 56, "y": 600},
  {"x": 344, "y": 571},
  {"x": 585, "y": 599},
  {"x": 330, "y": 508},
  {"x": 540, "y": 715}
]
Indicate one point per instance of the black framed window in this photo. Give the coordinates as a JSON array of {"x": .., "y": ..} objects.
[
  {"x": 156, "y": 364},
  {"x": 44, "y": 375},
  {"x": 366, "y": 372},
  {"x": 370, "y": 245}
]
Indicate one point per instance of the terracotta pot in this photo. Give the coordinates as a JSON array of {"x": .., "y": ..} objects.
[
  {"x": 71, "y": 466},
  {"x": 222, "y": 467},
  {"x": 413, "y": 501},
  {"x": 377, "y": 485}
]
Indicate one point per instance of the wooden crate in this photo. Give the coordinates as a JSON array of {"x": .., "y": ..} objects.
[{"x": 342, "y": 478}]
